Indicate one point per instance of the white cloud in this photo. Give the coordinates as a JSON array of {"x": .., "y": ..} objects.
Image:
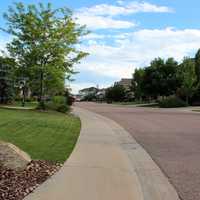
[
  {"x": 136, "y": 7},
  {"x": 94, "y": 36},
  {"x": 3, "y": 41},
  {"x": 101, "y": 22},
  {"x": 137, "y": 49},
  {"x": 102, "y": 16},
  {"x": 124, "y": 8}
]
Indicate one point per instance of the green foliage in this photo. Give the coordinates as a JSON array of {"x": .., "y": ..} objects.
[
  {"x": 160, "y": 78},
  {"x": 69, "y": 98},
  {"x": 59, "y": 100},
  {"x": 172, "y": 102},
  {"x": 7, "y": 66},
  {"x": 188, "y": 77},
  {"x": 63, "y": 108},
  {"x": 116, "y": 93},
  {"x": 197, "y": 65},
  {"x": 58, "y": 103},
  {"x": 138, "y": 77},
  {"x": 44, "y": 45}
]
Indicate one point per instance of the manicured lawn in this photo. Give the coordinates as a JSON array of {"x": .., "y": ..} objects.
[
  {"x": 32, "y": 104},
  {"x": 196, "y": 110},
  {"x": 43, "y": 135},
  {"x": 125, "y": 103},
  {"x": 135, "y": 103}
]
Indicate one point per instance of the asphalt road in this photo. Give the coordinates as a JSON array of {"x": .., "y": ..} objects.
[{"x": 170, "y": 136}]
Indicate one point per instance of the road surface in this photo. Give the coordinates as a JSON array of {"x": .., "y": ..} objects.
[{"x": 170, "y": 136}]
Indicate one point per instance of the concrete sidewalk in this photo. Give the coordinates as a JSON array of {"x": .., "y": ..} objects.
[{"x": 107, "y": 164}]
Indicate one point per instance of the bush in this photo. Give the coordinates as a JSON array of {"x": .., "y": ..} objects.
[
  {"x": 69, "y": 98},
  {"x": 172, "y": 102},
  {"x": 41, "y": 106},
  {"x": 59, "y": 100},
  {"x": 58, "y": 103},
  {"x": 63, "y": 108}
]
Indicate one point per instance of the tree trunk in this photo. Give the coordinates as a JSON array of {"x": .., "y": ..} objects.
[
  {"x": 187, "y": 99},
  {"x": 41, "y": 98}
]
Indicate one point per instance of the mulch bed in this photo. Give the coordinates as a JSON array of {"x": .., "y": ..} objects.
[{"x": 15, "y": 185}]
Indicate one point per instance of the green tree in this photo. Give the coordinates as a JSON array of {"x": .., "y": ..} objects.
[
  {"x": 189, "y": 78},
  {"x": 197, "y": 65},
  {"x": 116, "y": 93},
  {"x": 160, "y": 78},
  {"x": 137, "y": 82},
  {"x": 44, "y": 42},
  {"x": 153, "y": 78},
  {"x": 7, "y": 66}
]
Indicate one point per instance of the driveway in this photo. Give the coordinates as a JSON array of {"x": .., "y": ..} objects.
[{"x": 170, "y": 136}]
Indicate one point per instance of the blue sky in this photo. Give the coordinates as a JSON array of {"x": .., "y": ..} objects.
[{"x": 126, "y": 34}]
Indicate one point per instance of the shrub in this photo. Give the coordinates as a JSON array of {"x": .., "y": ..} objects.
[
  {"x": 41, "y": 106},
  {"x": 63, "y": 108},
  {"x": 58, "y": 103},
  {"x": 69, "y": 98},
  {"x": 172, "y": 102},
  {"x": 58, "y": 100}
]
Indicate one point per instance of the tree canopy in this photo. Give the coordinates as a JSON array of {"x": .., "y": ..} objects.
[
  {"x": 7, "y": 66},
  {"x": 116, "y": 93},
  {"x": 44, "y": 44},
  {"x": 163, "y": 78}
]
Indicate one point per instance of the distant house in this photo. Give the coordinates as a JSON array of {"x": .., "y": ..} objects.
[
  {"x": 126, "y": 82},
  {"x": 101, "y": 94},
  {"x": 88, "y": 91}
]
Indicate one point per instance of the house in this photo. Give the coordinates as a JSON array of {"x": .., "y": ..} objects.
[
  {"x": 88, "y": 91},
  {"x": 101, "y": 94},
  {"x": 125, "y": 82}
]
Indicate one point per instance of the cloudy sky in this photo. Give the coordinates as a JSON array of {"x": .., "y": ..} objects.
[{"x": 126, "y": 34}]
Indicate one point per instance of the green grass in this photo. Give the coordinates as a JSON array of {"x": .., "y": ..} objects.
[
  {"x": 43, "y": 135},
  {"x": 150, "y": 105},
  {"x": 32, "y": 104},
  {"x": 137, "y": 103},
  {"x": 128, "y": 103},
  {"x": 125, "y": 103},
  {"x": 196, "y": 110}
]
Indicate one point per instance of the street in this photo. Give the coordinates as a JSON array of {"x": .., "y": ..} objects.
[{"x": 170, "y": 136}]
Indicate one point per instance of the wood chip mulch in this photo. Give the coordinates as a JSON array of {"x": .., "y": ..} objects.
[{"x": 15, "y": 185}]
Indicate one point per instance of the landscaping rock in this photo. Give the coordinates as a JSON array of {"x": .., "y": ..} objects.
[{"x": 12, "y": 157}]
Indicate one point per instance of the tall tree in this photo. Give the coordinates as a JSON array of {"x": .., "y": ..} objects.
[
  {"x": 197, "y": 65},
  {"x": 160, "y": 78},
  {"x": 189, "y": 78},
  {"x": 44, "y": 41},
  {"x": 6, "y": 80},
  {"x": 116, "y": 93},
  {"x": 153, "y": 78},
  {"x": 137, "y": 82}
]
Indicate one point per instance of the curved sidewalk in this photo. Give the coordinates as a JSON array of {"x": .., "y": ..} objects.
[{"x": 107, "y": 164}]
